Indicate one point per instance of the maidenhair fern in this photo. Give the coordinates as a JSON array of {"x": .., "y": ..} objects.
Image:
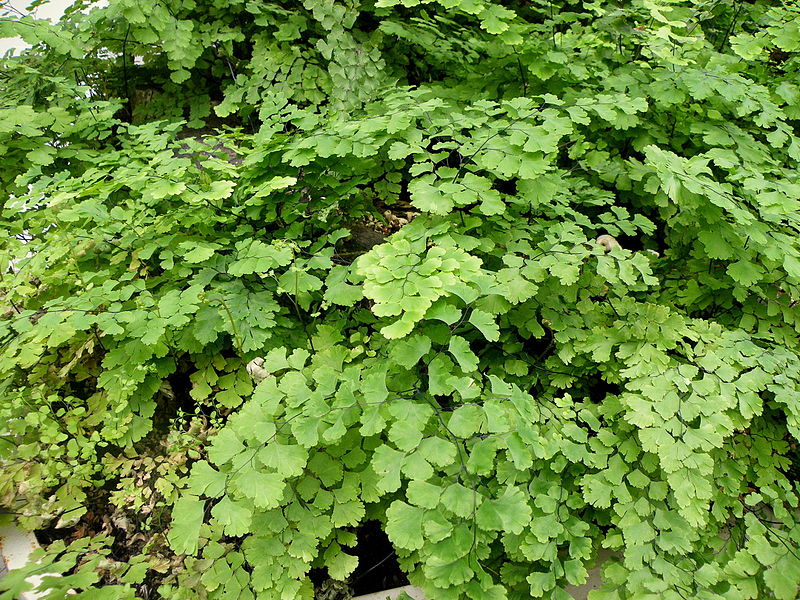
[{"x": 580, "y": 340}]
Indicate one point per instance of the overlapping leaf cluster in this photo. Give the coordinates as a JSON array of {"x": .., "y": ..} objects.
[{"x": 508, "y": 393}]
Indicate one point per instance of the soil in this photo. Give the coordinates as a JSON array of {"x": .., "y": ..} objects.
[{"x": 377, "y": 564}]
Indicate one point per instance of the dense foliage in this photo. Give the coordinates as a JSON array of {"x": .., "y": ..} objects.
[{"x": 518, "y": 280}]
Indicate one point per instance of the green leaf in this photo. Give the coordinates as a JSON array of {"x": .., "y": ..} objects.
[
  {"x": 398, "y": 329},
  {"x": 493, "y": 19},
  {"x": 254, "y": 256},
  {"x": 429, "y": 198},
  {"x": 287, "y": 460},
  {"x": 219, "y": 190},
  {"x": 187, "y": 518},
  {"x": 405, "y": 435},
  {"x": 274, "y": 184},
  {"x": 449, "y": 573},
  {"x": 408, "y": 352},
  {"x": 235, "y": 517},
  {"x": 423, "y": 494},
  {"x": 509, "y": 512},
  {"x": 387, "y": 463},
  {"x": 372, "y": 421},
  {"x": 745, "y": 273},
  {"x": 340, "y": 565},
  {"x": 783, "y": 578},
  {"x": 265, "y": 490},
  {"x": 459, "y": 348},
  {"x": 444, "y": 311},
  {"x": 404, "y": 525},
  {"x": 338, "y": 291},
  {"x": 437, "y": 451},
  {"x": 224, "y": 447},
  {"x": 205, "y": 480},
  {"x": 485, "y": 324},
  {"x": 504, "y": 393},
  {"x": 410, "y": 425},
  {"x": 299, "y": 283},
  {"x": 460, "y": 500},
  {"x": 467, "y": 420},
  {"x": 198, "y": 252},
  {"x": 348, "y": 513}
]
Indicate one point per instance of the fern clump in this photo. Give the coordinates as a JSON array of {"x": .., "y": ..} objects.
[{"x": 518, "y": 281}]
